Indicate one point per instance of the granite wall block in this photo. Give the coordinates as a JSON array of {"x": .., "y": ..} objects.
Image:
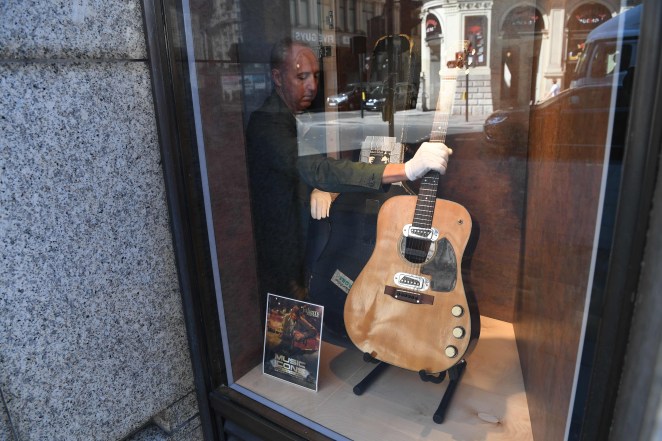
[
  {"x": 91, "y": 325},
  {"x": 92, "y": 336},
  {"x": 71, "y": 29}
]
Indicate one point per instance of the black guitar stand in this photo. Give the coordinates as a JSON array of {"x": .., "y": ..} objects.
[{"x": 454, "y": 374}]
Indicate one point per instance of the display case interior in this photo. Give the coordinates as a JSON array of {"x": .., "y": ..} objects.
[{"x": 489, "y": 403}]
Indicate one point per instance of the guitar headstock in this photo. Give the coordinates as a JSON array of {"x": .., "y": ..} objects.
[{"x": 458, "y": 55}]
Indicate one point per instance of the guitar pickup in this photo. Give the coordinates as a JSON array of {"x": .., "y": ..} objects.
[
  {"x": 409, "y": 296},
  {"x": 431, "y": 234},
  {"x": 411, "y": 281}
]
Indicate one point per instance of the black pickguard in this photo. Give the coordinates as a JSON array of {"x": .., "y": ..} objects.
[{"x": 442, "y": 268}]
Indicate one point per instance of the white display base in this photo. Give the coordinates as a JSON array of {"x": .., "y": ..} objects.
[{"x": 489, "y": 402}]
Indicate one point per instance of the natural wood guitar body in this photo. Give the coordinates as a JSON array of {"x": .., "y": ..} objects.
[{"x": 415, "y": 336}]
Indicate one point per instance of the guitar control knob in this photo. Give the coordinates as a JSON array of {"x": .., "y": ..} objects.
[
  {"x": 458, "y": 332},
  {"x": 451, "y": 351},
  {"x": 457, "y": 311}
]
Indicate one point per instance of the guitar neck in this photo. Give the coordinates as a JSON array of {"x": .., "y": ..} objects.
[
  {"x": 427, "y": 198},
  {"x": 427, "y": 194}
]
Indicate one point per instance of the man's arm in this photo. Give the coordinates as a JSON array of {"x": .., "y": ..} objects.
[
  {"x": 394, "y": 173},
  {"x": 342, "y": 175},
  {"x": 432, "y": 156}
]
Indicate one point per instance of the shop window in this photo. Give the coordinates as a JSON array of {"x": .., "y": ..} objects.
[
  {"x": 522, "y": 20},
  {"x": 304, "y": 13},
  {"x": 296, "y": 132},
  {"x": 520, "y": 57},
  {"x": 351, "y": 17},
  {"x": 581, "y": 21},
  {"x": 432, "y": 27},
  {"x": 475, "y": 32}
]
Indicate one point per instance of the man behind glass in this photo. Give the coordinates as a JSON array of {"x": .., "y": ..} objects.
[{"x": 286, "y": 187}]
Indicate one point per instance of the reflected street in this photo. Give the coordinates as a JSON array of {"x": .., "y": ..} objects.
[{"x": 348, "y": 129}]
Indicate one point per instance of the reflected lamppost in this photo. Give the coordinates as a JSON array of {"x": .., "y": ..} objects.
[
  {"x": 469, "y": 57},
  {"x": 463, "y": 60}
]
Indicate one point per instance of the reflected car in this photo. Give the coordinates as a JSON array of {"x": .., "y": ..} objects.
[
  {"x": 348, "y": 99},
  {"x": 604, "y": 61},
  {"x": 376, "y": 99},
  {"x": 510, "y": 127},
  {"x": 507, "y": 126},
  {"x": 404, "y": 97}
]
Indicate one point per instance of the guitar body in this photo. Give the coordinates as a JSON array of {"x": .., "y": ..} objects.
[
  {"x": 415, "y": 315},
  {"x": 350, "y": 243}
]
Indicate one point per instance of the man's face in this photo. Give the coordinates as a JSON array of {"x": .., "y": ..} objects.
[{"x": 296, "y": 81}]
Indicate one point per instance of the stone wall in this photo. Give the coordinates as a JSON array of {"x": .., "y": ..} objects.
[
  {"x": 92, "y": 337},
  {"x": 480, "y": 95}
]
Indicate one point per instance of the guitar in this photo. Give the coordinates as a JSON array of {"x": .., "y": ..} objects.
[
  {"x": 350, "y": 241},
  {"x": 408, "y": 307}
]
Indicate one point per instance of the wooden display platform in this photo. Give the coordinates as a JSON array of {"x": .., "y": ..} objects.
[{"x": 489, "y": 403}]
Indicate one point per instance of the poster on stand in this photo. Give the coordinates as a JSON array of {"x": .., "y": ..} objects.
[{"x": 292, "y": 338}]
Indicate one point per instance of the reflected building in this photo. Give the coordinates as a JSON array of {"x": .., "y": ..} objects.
[
  {"x": 347, "y": 32},
  {"x": 343, "y": 31},
  {"x": 519, "y": 47}
]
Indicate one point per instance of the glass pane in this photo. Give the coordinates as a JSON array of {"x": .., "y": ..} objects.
[{"x": 319, "y": 126}]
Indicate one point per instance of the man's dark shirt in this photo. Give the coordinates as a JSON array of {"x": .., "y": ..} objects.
[{"x": 281, "y": 183}]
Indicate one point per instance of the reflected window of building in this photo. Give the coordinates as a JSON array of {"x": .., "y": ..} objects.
[
  {"x": 432, "y": 27},
  {"x": 522, "y": 20},
  {"x": 351, "y": 17},
  {"x": 581, "y": 21},
  {"x": 303, "y": 13},
  {"x": 517, "y": 67},
  {"x": 341, "y": 16},
  {"x": 475, "y": 32}
]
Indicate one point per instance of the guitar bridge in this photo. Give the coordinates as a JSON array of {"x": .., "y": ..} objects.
[{"x": 405, "y": 295}]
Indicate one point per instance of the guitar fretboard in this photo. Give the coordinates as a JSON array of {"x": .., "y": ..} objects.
[
  {"x": 444, "y": 105},
  {"x": 427, "y": 194}
]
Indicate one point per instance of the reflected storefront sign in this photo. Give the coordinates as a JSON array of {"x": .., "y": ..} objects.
[
  {"x": 313, "y": 37},
  {"x": 432, "y": 27}
]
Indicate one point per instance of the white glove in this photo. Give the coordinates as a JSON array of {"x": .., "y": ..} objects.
[
  {"x": 429, "y": 156},
  {"x": 320, "y": 203}
]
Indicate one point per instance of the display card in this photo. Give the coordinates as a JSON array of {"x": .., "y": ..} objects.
[{"x": 292, "y": 338}]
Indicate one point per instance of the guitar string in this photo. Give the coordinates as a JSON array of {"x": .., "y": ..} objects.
[
  {"x": 425, "y": 205},
  {"x": 403, "y": 130}
]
